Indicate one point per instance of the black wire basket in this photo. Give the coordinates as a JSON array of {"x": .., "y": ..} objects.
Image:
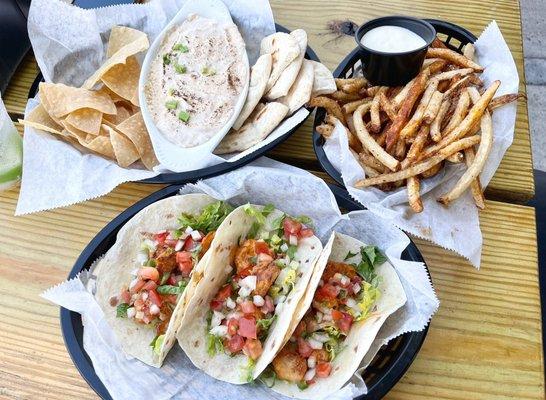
[{"x": 454, "y": 36}]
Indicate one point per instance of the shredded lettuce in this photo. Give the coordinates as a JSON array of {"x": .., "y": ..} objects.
[
  {"x": 291, "y": 252},
  {"x": 268, "y": 377},
  {"x": 121, "y": 310},
  {"x": 215, "y": 344},
  {"x": 304, "y": 219},
  {"x": 368, "y": 298},
  {"x": 264, "y": 324},
  {"x": 277, "y": 222},
  {"x": 248, "y": 370},
  {"x": 210, "y": 218},
  {"x": 332, "y": 331},
  {"x": 157, "y": 343},
  {"x": 170, "y": 289},
  {"x": 333, "y": 347}
]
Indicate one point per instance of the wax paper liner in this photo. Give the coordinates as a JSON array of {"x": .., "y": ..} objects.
[
  {"x": 456, "y": 227},
  {"x": 263, "y": 181}
]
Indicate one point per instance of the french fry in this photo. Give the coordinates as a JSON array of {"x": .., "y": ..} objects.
[
  {"x": 465, "y": 127},
  {"x": 429, "y": 173},
  {"x": 458, "y": 86},
  {"x": 469, "y": 51},
  {"x": 433, "y": 107},
  {"x": 374, "y": 111},
  {"x": 429, "y": 61},
  {"x": 416, "y": 147},
  {"x": 456, "y": 158},
  {"x": 371, "y": 161},
  {"x": 400, "y": 151},
  {"x": 330, "y": 105},
  {"x": 340, "y": 95},
  {"x": 414, "y": 197},
  {"x": 453, "y": 57},
  {"x": 340, "y": 82},
  {"x": 411, "y": 127},
  {"x": 437, "y": 66},
  {"x": 437, "y": 43},
  {"x": 421, "y": 167},
  {"x": 354, "y": 86},
  {"x": 475, "y": 80},
  {"x": 349, "y": 108},
  {"x": 401, "y": 119},
  {"x": 371, "y": 92},
  {"x": 370, "y": 144},
  {"x": 370, "y": 171},
  {"x": 482, "y": 153},
  {"x": 451, "y": 74},
  {"x": 435, "y": 133},
  {"x": 325, "y": 130},
  {"x": 386, "y": 106},
  {"x": 402, "y": 94},
  {"x": 459, "y": 113},
  {"x": 503, "y": 100},
  {"x": 475, "y": 186}
]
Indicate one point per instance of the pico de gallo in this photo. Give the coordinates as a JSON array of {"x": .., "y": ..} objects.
[
  {"x": 346, "y": 294},
  {"x": 266, "y": 269},
  {"x": 164, "y": 265}
]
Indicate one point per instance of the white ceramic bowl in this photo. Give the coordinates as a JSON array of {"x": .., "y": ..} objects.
[{"x": 171, "y": 156}]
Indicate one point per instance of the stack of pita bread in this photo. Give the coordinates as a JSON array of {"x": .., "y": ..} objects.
[{"x": 281, "y": 82}]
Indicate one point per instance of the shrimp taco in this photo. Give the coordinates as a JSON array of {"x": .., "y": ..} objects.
[
  {"x": 260, "y": 266},
  {"x": 145, "y": 280},
  {"x": 347, "y": 301}
]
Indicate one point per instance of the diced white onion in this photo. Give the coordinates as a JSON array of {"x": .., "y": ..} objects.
[
  {"x": 179, "y": 245},
  {"x": 144, "y": 296},
  {"x": 294, "y": 264},
  {"x": 356, "y": 288},
  {"x": 220, "y": 330},
  {"x": 239, "y": 300},
  {"x": 244, "y": 292},
  {"x": 315, "y": 344},
  {"x": 169, "y": 236},
  {"x": 311, "y": 362},
  {"x": 318, "y": 316},
  {"x": 351, "y": 303},
  {"x": 216, "y": 319},
  {"x": 230, "y": 303},
  {"x": 284, "y": 247},
  {"x": 188, "y": 230},
  {"x": 151, "y": 244},
  {"x": 258, "y": 300},
  {"x": 131, "y": 312},
  {"x": 249, "y": 282},
  {"x": 293, "y": 240},
  {"x": 154, "y": 309},
  {"x": 326, "y": 317},
  {"x": 195, "y": 235},
  {"x": 310, "y": 374},
  {"x": 337, "y": 277},
  {"x": 344, "y": 280},
  {"x": 142, "y": 257},
  {"x": 321, "y": 337},
  {"x": 139, "y": 315}
]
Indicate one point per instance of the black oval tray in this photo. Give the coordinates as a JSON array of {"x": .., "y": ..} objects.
[
  {"x": 386, "y": 369},
  {"x": 208, "y": 172},
  {"x": 454, "y": 36}
]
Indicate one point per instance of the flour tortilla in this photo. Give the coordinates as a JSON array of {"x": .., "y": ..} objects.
[
  {"x": 259, "y": 74},
  {"x": 323, "y": 82},
  {"x": 284, "y": 49},
  {"x": 288, "y": 76},
  {"x": 113, "y": 271},
  {"x": 362, "y": 334},
  {"x": 300, "y": 92},
  {"x": 264, "y": 119},
  {"x": 192, "y": 335}
]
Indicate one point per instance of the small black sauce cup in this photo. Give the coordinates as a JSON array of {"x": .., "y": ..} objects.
[{"x": 394, "y": 69}]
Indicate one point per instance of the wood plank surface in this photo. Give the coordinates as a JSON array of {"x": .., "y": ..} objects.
[{"x": 484, "y": 342}]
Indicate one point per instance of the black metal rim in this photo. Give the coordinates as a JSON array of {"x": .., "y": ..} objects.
[
  {"x": 208, "y": 172},
  {"x": 72, "y": 329},
  {"x": 451, "y": 31}
]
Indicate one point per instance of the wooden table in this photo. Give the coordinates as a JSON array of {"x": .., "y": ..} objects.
[{"x": 484, "y": 342}]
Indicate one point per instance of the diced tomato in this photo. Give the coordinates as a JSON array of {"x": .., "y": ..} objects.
[
  {"x": 245, "y": 272},
  {"x": 150, "y": 273},
  {"x": 248, "y": 307},
  {"x": 323, "y": 369},
  {"x": 235, "y": 343},
  {"x": 253, "y": 348},
  {"x": 161, "y": 237},
  {"x": 310, "y": 382},
  {"x": 232, "y": 326},
  {"x": 154, "y": 297},
  {"x": 171, "y": 242},
  {"x": 300, "y": 329},
  {"x": 125, "y": 296},
  {"x": 269, "y": 306},
  {"x": 216, "y": 304},
  {"x": 172, "y": 280},
  {"x": 247, "y": 327},
  {"x": 343, "y": 320},
  {"x": 261, "y": 247},
  {"x": 304, "y": 348},
  {"x": 137, "y": 286},
  {"x": 291, "y": 227},
  {"x": 306, "y": 232},
  {"x": 190, "y": 244},
  {"x": 356, "y": 279},
  {"x": 150, "y": 285},
  {"x": 327, "y": 292},
  {"x": 224, "y": 292},
  {"x": 185, "y": 262}
]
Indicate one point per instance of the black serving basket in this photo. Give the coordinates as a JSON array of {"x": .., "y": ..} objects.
[
  {"x": 454, "y": 36},
  {"x": 386, "y": 369},
  {"x": 208, "y": 172}
]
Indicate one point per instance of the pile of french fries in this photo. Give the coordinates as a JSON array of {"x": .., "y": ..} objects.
[{"x": 401, "y": 135}]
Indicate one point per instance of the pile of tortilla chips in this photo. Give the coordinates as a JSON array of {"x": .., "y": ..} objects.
[{"x": 106, "y": 120}]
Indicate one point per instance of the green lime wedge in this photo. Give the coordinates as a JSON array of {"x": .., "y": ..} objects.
[{"x": 11, "y": 153}]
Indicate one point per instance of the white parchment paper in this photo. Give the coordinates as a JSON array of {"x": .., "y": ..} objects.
[
  {"x": 457, "y": 227},
  {"x": 69, "y": 44},
  {"x": 263, "y": 181}
]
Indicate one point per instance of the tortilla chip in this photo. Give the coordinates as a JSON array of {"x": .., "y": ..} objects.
[
  {"x": 115, "y": 98},
  {"x": 86, "y": 120},
  {"x": 135, "y": 129},
  {"x": 40, "y": 119},
  {"x": 80, "y": 135},
  {"x": 119, "y": 57},
  {"x": 101, "y": 145},
  {"x": 47, "y": 108},
  {"x": 122, "y": 79},
  {"x": 124, "y": 150},
  {"x": 121, "y": 36},
  {"x": 62, "y": 99},
  {"x": 122, "y": 115}
]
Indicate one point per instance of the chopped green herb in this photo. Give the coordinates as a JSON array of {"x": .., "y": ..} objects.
[
  {"x": 166, "y": 59},
  {"x": 210, "y": 218},
  {"x": 151, "y": 263},
  {"x": 171, "y": 104},
  {"x": 291, "y": 252},
  {"x": 371, "y": 258},
  {"x": 180, "y": 69},
  {"x": 208, "y": 319},
  {"x": 302, "y": 385},
  {"x": 207, "y": 71},
  {"x": 164, "y": 278},
  {"x": 349, "y": 255},
  {"x": 180, "y": 47},
  {"x": 214, "y": 345},
  {"x": 184, "y": 116},
  {"x": 374, "y": 255},
  {"x": 264, "y": 324},
  {"x": 121, "y": 310}
]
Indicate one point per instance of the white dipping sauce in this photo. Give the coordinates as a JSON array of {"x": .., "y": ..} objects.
[{"x": 392, "y": 39}]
